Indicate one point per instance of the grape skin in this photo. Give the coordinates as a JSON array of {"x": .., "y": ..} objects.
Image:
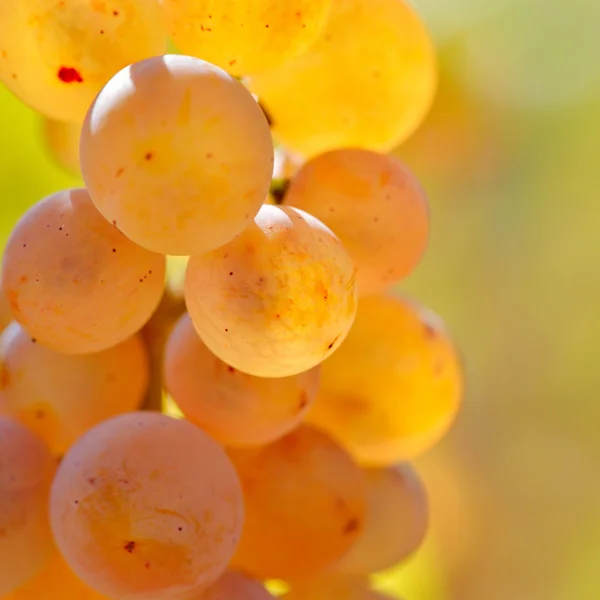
[
  {"x": 234, "y": 408},
  {"x": 395, "y": 385},
  {"x": 368, "y": 81},
  {"x": 278, "y": 299},
  {"x": 177, "y": 153},
  {"x": 245, "y": 36},
  {"x": 145, "y": 507},
  {"x": 374, "y": 204},
  {"x": 56, "y": 56},
  {"x": 395, "y": 525},
  {"x": 235, "y": 586},
  {"x": 74, "y": 281},
  {"x": 61, "y": 396},
  {"x": 305, "y": 505},
  {"x": 26, "y": 470}
]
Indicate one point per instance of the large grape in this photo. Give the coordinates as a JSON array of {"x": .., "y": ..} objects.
[
  {"x": 26, "y": 470},
  {"x": 234, "y": 408},
  {"x": 395, "y": 385},
  {"x": 374, "y": 204},
  {"x": 177, "y": 153},
  {"x": 368, "y": 81},
  {"x": 245, "y": 36},
  {"x": 74, "y": 281},
  {"x": 305, "y": 505},
  {"x": 278, "y": 299},
  {"x": 56, "y": 56},
  {"x": 145, "y": 507},
  {"x": 61, "y": 396}
]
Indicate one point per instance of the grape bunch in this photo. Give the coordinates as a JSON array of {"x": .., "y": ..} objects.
[{"x": 244, "y": 143}]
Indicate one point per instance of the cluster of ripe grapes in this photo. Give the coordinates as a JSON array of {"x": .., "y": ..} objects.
[{"x": 304, "y": 383}]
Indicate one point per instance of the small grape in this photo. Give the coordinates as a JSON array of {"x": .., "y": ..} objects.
[
  {"x": 235, "y": 586},
  {"x": 245, "y": 36},
  {"x": 26, "y": 471},
  {"x": 61, "y": 396},
  {"x": 56, "y": 56},
  {"x": 395, "y": 385},
  {"x": 368, "y": 81},
  {"x": 395, "y": 525},
  {"x": 278, "y": 299},
  {"x": 177, "y": 153},
  {"x": 74, "y": 281},
  {"x": 305, "y": 505},
  {"x": 145, "y": 507},
  {"x": 234, "y": 408},
  {"x": 374, "y": 204}
]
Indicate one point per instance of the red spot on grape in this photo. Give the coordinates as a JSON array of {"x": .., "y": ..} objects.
[
  {"x": 69, "y": 75},
  {"x": 129, "y": 547}
]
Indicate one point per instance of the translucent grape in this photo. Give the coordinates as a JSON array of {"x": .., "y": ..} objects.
[
  {"x": 332, "y": 588},
  {"x": 394, "y": 387},
  {"x": 234, "y": 408},
  {"x": 26, "y": 470},
  {"x": 145, "y": 507},
  {"x": 278, "y": 299},
  {"x": 56, "y": 56},
  {"x": 305, "y": 505},
  {"x": 55, "y": 582},
  {"x": 62, "y": 143},
  {"x": 368, "y": 81},
  {"x": 395, "y": 525},
  {"x": 61, "y": 396},
  {"x": 245, "y": 36},
  {"x": 74, "y": 281},
  {"x": 376, "y": 207},
  {"x": 234, "y": 586},
  {"x": 178, "y": 154}
]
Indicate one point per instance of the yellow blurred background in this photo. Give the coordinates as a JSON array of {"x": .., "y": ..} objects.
[{"x": 510, "y": 156}]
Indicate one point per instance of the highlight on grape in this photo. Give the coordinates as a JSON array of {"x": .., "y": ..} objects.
[{"x": 171, "y": 435}]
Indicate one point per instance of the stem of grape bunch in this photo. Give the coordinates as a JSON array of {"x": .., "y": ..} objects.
[{"x": 155, "y": 334}]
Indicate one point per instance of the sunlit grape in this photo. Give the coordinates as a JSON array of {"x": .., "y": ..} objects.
[
  {"x": 374, "y": 204},
  {"x": 56, "y": 56},
  {"x": 234, "y": 408},
  {"x": 26, "y": 470},
  {"x": 394, "y": 387},
  {"x": 395, "y": 524},
  {"x": 147, "y": 507},
  {"x": 368, "y": 81},
  {"x": 177, "y": 153},
  {"x": 332, "y": 588},
  {"x": 74, "y": 281},
  {"x": 245, "y": 36},
  {"x": 62, "y": 143},
  {"x": 305, "y": 505},
  {"x": 56, "y": 581},
  {"x": 278, "y": 299},
  {"x": 234, "y": 586},
  {"x": 61, "y": 396}
]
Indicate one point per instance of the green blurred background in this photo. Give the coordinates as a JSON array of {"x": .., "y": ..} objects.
[{"x": 510, "y": 155}]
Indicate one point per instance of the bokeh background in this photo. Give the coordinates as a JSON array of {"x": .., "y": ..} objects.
[{"x": 510, "y": 156}]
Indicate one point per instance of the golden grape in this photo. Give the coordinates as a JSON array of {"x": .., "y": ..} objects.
[
  {"x": 305, "y": 505},
  {"x": 26, "y": 470},
  {"x": 235, "y": 586},
  {"x": 368, "y": 81},
  {"x": 234, "y": 408},
  {"x": 147, "y": 507},
  {"x": 245, "y": 36},
  {"x": 62, "y": 143},
  {"x": 395, "y": 385},
  {"x": 278, "y": 299},
  {"x": 61, "y": 396},
  {"x": 374, "y": 204},
  {"x": 395, "y": 525},
  {"x": 177, "y": 153},
  {"x": 74, "y": 281},
  {"x": 56, "y": 56}
]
